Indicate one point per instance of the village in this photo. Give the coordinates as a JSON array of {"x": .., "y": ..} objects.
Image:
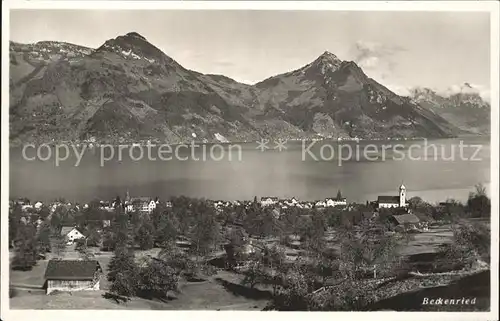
[{"x": 237, "y": 242}]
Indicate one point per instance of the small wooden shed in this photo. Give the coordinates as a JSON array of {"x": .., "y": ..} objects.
[{"x": 72, "y": 275}]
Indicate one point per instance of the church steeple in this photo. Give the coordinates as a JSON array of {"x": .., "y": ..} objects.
[
  {"x": 127, "y": 197},
  {"x": 402, "y": 195}
]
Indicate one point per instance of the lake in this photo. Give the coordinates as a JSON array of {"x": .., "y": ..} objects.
[{"x": 434, "y": 170}]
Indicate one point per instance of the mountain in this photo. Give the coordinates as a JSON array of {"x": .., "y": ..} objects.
[
  {"x": 125, "y": 90},
  {"x": 128, "y": 90},
  {"x": 333, "y": 94},
  {"x": 463, "y": 107}
]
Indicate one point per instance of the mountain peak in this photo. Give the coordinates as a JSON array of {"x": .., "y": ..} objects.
[
  {"x": 134, "y": 46},
  {"x": 328, "y": 57},
  {"x": 135, "y": 34},
  {"x": 327, "y": 62},
  {"x": 327, "y": 54}
]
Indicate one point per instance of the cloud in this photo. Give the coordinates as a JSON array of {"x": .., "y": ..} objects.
[
  {"x": 466, "y": 88},
  {"x": 374, "y": 56}
]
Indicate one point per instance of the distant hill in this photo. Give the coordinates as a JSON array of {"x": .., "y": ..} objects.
[
  {"x": 465, "y": 109},
  {"x": 128, "y": 90}
]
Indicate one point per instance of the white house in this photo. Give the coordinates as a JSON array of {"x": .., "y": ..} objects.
[
  {"x": 71, "y": 234},
  {"x": 26, "y": 207},
  {"x": 141, "y": 204},
  {"x": 330, "y": 202},
  {"x": 393, "y": 201},
  {"x": 320, "y": 204},
  {"x": 291, "y": 202},
  {"x": 152, "y": 205},
  {"x": 268, "y": 201},
  {"x": 38, "y": 205},
  {"x": 304, "y": 205}
]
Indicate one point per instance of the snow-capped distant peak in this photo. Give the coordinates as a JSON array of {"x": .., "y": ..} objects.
[{"x": 464, "y": 93}]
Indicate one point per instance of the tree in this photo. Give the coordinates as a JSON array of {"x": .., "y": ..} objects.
[
  {"x": 367, "y": 250},
  {"x": 416, "y": 202},
  {"x": 108, "y": 240},
  {"x": 313, "y": 232},
  {"x": 93, "y": 237},
  {"x": 81, "y": 247},
  {"x": 157, "y": 279},
  {"x": 234, "y": 246},
  {"x": 205, "y": 233},
  {"x": 56, "y": 219},
  {"x": 123, "y": 273},
  {"x": 122, "y": 232},
  {"x": 479, "y": 204},
  {"x": 254, "y": 274},
  {"x": 471, "y": 241},
  {"x": 25, "y": 246},
  {"x": 167, "y": 227},
  {"x": 15, "y": 215},
  {"x": 176, "y": 259},
  {"x": 145, "y": 234},
  {"x": 294, "y": 294},
  {"x": 43, "y": 238},
  {"x": 44, "y": 212},
  {"x": 59, "y": 245}
]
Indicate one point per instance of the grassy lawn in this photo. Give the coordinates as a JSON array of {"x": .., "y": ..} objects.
[
  {"x": 217, "y": 293},
  {"x": 221, "y": 291},
  {"x": 428, "y": 242}
]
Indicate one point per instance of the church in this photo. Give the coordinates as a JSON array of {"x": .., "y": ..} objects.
[{"x": 393, "y": 201}]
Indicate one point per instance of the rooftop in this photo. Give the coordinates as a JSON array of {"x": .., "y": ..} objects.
[
  {"x": 406, "y": 219},
  {"x": 388, "y": 199},
  {"x": 66, "y": 229},
  {"x": 71, "y": 269}
]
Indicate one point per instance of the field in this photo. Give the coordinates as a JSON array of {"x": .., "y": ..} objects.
[{"x": 219, "y": 292}]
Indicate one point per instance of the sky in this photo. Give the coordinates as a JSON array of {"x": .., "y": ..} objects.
[{"x": 439, "y": 50}]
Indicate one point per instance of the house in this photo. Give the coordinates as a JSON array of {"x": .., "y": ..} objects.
[
  {"x": 106, "y": 205},
  {"x": 388, "y": 201},
  {"x": 393, "y": 201},
  {"x": 71, "y": 234},
  {"x": 25, "y": 207},
  {"x": 152, "y": 205},
  {"x": 38, "y": 205},
  {"x": 268, "y": 200},
  {"x": 406, "y": 221},
  {"x": 141, "y": 204},
  {"x": 304, "y": 205},
  {"x": 168, "y": 204},
  {"x": 54, "y": 206},
  {"x": 290, "y": 202},
  {"x": 331, "y": 202},
  {"x": 22, "y": 201},
  {"x": 72, "y": 275},
  {"x": 337, "y": 201},
  {"x": 320, "y": 204},
  {"x": 221, "y": 204}
]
